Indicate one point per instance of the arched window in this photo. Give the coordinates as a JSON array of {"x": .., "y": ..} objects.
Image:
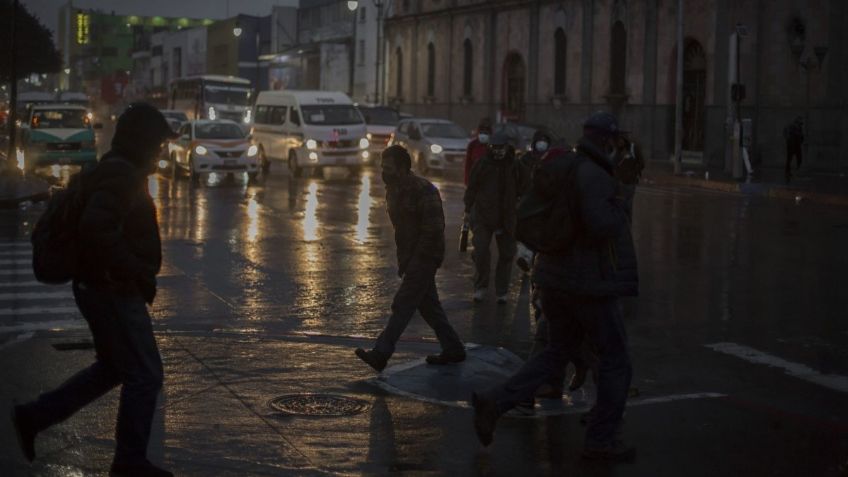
[
  {"x": 618, "y": 60},
  {"x": 559, "y": 62},
  {"x": 399, "y": 73},
  {"x": 467, "y": 69},
  {"x": 431, "y": 70}
]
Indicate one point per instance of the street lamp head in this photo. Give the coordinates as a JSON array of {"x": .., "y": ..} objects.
[
  {"x": 352, "y": 5},
  {"x": 237, "y": 31},
  {"x": 67, "y": 71}
]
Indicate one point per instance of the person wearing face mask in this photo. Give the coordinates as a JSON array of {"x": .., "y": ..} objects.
[
  {"x": 540, "y": 144},
  {"x": 497, "y": 182},
  {"x": 415, "y": 209},
  {"x": 120, "y": 256},
  {"x": 579, "y": 289},
  {"x": 478, "y": 147}
]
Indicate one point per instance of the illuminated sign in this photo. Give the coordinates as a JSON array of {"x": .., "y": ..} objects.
[{"x": 83, "y": 24}]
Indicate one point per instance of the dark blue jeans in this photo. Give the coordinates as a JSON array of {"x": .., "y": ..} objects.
[
  {"x": 572, "y": 319},
  {"x": 127, "y": 355}
]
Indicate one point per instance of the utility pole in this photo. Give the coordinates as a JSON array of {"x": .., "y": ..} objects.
[
  {"x": 678, "y": 110},
  {"x": 12, "y": 157}
]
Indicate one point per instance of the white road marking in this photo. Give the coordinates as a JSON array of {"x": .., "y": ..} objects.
[
  {"x": 16, "y": 272},
  {"x": 37, "y": 310},
  {"x": 835, "y": 382},
  {"x": 15, "y": 245},
  {"x": 21, "y": 284},
  {"x": 22, "y": 261},
  {"x": 44, "y": 325},
  {"x": 38, "y": 295},
  {"x": 19, "y": 253}
]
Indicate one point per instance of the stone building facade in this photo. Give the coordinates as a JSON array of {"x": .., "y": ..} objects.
[{"x": 554, "y": 62}]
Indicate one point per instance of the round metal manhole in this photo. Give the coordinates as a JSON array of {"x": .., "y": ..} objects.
[{"x": 321, "y": 405}]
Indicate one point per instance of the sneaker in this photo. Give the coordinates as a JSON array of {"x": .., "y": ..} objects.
[
  {"x": 617, "y": 452},
  {"x": 446, "y": 358},
  {"x": 24, "y": 433},
  {"x": 145, "y": 469},
  {"x": 485, "y": 418},
  {"x": 374, "y": 359},
  {"x": 479, "y": 295},
  {"x": 578, "y": 378},
  {"x": 502, "y": 299}
]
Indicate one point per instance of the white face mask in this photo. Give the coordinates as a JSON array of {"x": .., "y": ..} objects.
[
  {"x": 541, "y": 146},
  {"x": 483, "y": 138}
]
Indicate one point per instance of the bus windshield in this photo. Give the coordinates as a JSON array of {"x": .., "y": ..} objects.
[
  {"x": 337, "y": 115},
  {"x": 59, "y": 119},
  {"x": 222, "y": 93}
]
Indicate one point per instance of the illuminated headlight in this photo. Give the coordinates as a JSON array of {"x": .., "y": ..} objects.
[
  {"x": 368, "y": 136},
  {"x": 211, "y": 113},
  {"x": 311, "y": 144},
  {"x": 200, "y": 150},
  {"x": 247, "y": 116},
  {"x": 252, "y": 151},
  {"x": 90, "y": 116},
  {"x": 436, "y": 149},
  {"x": 366, "y": 155},
  {"x": 163, "y": 164},
  {"x": 313, "y": 156},
  {"x": 363, "y": 143}
]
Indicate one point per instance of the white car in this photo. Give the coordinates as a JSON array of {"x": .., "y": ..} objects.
[
  {"x": 381, "y": 122},
  {"x": 207, "y": 146},
  {"x": 434, "y": 144}
]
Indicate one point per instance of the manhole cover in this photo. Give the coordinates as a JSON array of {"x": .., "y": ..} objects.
[{"x": 323, "y": 405}]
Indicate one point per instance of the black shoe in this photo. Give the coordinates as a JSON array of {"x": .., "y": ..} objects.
[
  {"x": 138, "y": 470},
  {"x": 485, "y": 418},
  {"x": 374, "y": 359},
  {"x": 446, "y": 358},
  {"x": 578, "y": 378},
  {"x": 25, "y": 434},
  {"x": 617, "y": 452}
]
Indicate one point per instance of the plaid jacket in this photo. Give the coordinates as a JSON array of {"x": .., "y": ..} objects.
[{"x": 415, "y": 209}]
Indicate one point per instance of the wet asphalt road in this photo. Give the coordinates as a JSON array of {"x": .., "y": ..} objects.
[{"x": 285, "y": 257}]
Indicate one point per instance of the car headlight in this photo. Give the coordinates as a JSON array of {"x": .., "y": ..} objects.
[
  {"x": 368, "y": 136},
  {"x": 212, "y": 114},
  {"x": 200, "y": 150},
  {"x": 436, "y": 149},
  {"x": 247, "y": 116},
  {"x": 311, "y": 144},
  {"x": 252, "y": 151},
  {"x": 163, "y": 164},
  {"x": 363, "y": 143}
]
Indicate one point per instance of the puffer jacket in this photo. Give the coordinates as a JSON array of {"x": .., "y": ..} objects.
[
  {"x": 493, "y": 192},
  {"x": 118, "y": 228},
  {"x": 415, "y": 209},
  {"x": 602, "y": 261}
]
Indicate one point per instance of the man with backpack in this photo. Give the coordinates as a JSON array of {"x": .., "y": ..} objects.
[
  {"x": 497, "y": 182},
  {"x": 580, "y": 278},
  {"x": 114, "y": 279}
]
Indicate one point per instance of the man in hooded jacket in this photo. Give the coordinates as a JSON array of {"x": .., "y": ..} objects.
[{"x": 120, "y": 258}]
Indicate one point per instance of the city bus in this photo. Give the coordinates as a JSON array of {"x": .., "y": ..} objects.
[{"x": 212, "y": 97}]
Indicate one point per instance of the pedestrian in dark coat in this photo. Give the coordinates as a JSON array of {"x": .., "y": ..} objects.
[
  {"x": 497, "y": 182},
  {"x": 794, "y": 136},
  {"x": 579, "y": 292},
  {"x": 121, "y": 256},
  {"x": 415, "y": 209},
  {"x": 478, "y": 147}
]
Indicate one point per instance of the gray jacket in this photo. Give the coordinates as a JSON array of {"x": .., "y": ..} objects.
[{"x": 602, "y": 261}]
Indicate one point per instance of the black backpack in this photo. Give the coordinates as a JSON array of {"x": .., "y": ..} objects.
[
  {"x": 55, "y": 238},
  {"x": 547, "y": 218}
]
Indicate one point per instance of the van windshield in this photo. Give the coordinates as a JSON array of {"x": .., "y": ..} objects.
[
  {"x": 336, "y": 115},
  {"x": 59, "y": 119}
]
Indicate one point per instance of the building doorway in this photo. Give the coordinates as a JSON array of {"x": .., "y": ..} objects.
[{"x": 514, "y": 87}]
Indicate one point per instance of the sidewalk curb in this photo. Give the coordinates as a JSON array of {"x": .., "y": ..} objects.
[{"x": 752, "y": 189}]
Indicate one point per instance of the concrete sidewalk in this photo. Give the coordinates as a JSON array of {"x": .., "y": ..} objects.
[
  {"x": 817, "y": 187},
  {"x": 223, "y": 413}
]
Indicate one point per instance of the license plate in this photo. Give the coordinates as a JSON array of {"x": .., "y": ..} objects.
[{"x": 230, "y": 162}]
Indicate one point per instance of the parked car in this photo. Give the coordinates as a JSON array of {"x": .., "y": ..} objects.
[
  {"x": 380, "y": 123},
  {"x": 434, "y": 144},
  {"x": 522, "y": 134},
  {"x": 207, "y": 146},
  {"x": 58, "y": 134},
  {"x": 310, "y": 130}
]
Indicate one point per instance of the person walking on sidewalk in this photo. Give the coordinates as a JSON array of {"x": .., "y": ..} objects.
[
  {"x": 415, "y": 209},
  {"x": 579, "y": 291},
  {"x": 478, "y": 147},
  {"x": 120, "y": 257},
  {"x": 497, "y": 182},
  {"x": 794, "y": 136}
]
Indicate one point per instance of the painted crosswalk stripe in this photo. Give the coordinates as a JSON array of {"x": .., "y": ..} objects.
[
  {"x": 16, "y": 272},
  {"x": 38, "y": 310},
  {"x": 21, "y": 284},
  {"x": 19, "y": 253},
  {"x": 37, "y": 295},
  {"x": 15, "y": 245},
  {"x": 835, "y": 382},
  {"x": 20, "y": 261}
]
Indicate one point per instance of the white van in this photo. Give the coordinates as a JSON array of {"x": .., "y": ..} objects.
[{"x": 310, "y": 129}]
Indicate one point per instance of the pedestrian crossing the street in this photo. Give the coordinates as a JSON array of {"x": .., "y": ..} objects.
[{"x": 27, "y": 305}]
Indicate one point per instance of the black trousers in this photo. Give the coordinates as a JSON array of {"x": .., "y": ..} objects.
[{"x": 793, "y": 152}]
